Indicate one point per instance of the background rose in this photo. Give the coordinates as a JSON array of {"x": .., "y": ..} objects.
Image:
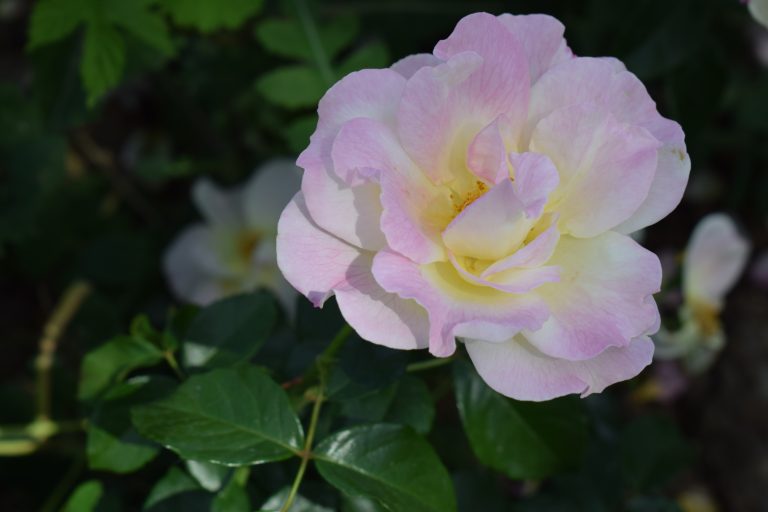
[{"x": 486, "y": 192}]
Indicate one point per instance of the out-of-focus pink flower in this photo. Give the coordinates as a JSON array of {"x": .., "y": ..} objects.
[
  {"x": 759, "y": 11},
  {"x": 759, "y": 271},
  {"x": 714, "y": 260},
  {"x": 485, "y": 192},
  {"x": 233, "y": 251}
]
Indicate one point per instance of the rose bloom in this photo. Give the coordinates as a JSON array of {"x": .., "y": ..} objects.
[
  {"x": 714, "y": 260},
  {"x": 233, "y": 250},
  {"x": 485, "y": 193}
]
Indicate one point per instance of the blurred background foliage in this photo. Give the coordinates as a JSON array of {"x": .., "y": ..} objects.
[{"x": 110, "y": 108}]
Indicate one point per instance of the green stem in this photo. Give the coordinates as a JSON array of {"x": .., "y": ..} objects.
[
  {"x": 306, "y": 453},
  {"x": 174, "y": 364},
  {"x": 320, "y": 367},
  {"x": 63, "y": 487},
  {"x": 336, "y": 343},
  {"x": 429, "y": 364},
  {"x": 315, "y": 44}
]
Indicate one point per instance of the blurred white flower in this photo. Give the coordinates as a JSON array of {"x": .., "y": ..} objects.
[
  {"x": 233, "y": 250},
  {"x": 759, "y": 11},
  {"x": 714, "y": 260}
]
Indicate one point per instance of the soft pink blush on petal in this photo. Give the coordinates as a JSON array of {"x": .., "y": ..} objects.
[
  {"x": 542, "y": 40},
  {"x": 364, "y": 147},
  {"x": 607, "y": 83},
  {"x": 534, "y": 254},
  {"x": 501, "y": 84},
  {"x": 515, "y": 280},
  {"x": 456, "y": 308},
  {"x": 606, "y": 167},
  {"x": 373, "y": 93},
  {"x": 491, "y": 227},
  {"x": 378, "y": 316},
  {"x": 487, "y": 154},
  {"x": 518, "y": 370},
  {"x": 535, "y": 178},
  {"x": 350, "y": 213},
  {"x": 405, "y": 219},
  {"x": 427, "y": 119},
  {"x": 408, "y": 66},
  {"x": 312, "y": 260},
  {"x": 603, "y": 298}
]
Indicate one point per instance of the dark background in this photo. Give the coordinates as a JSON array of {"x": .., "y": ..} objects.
[{"x": 98, "y": 192}]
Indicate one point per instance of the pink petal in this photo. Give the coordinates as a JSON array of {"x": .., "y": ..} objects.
[
  {"x": 603, "y": 299},
  {"x": 542, "y": 40},
  {"x": 606, "y": 167},
  {"x": 606, "y": 83},
  {"x": 350, "y": 213},
  {"x": 408, "y": 66},
  {"x": 373, "y": 93},
  {"x": 515, "y": 280},
  {"x": 381, "y": 317},
  {"x": 518, "y": 370},
  {"x": 443, "y": 107},
  {"x": 487, "y": 155},
  {"x": 312, "y": 260},
  {"x": 534, "y": 254},
  {"x": 427, "y": 118},
  {"x": 363, "y": 147},
  {"x": 491, "y": 227},
  {"x": 535, "y": 177},
  {"x": 406, "y": 222},
  {"x": 455, "y": 307}
]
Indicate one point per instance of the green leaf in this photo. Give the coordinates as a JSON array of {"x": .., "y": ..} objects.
[
  {"x": 522, "y": 439},
  {"x": 292, "y": 87},
  {"x": 230, "y": 330},
  {"x": 85, "y": 498},
  {"x": 234, "y": 497},
  {"x": 210, "y": 476},
  {"x": 297, "y": 132},
  {"x": 373, "y": 55},
  {"x": 112, "y": 442},
  {"x": 388, "y": 463},
  {"x": 359, "y": 504},
  {"x": 143, "y": 24},
  {"x": 52, "y": 20},
  {"x": 208, "y": 16},
  {"x": 412, "y": 405},
  {"x": 177, "y": 491},
  {"x": 300, "y": 503},
  {"x": 287, "y": 38},
  {"x": 229, "y": 416},
  {"x": 112, "y": 362},
  {"x": 103, "y": 60},
  {"x": 652, "y": 452},
  {"x": 406, "y": 402}
]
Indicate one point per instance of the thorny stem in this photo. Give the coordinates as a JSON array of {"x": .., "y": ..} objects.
[{"x": 320, "y": 367}]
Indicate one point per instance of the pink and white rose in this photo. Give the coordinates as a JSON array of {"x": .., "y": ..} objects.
[{"x": 485, "y": 193}]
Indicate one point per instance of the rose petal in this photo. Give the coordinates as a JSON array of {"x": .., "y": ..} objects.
[
  {"x": 714, "y": 260},
  {"x": 518, "y": 370},
  {"x": 312, "y": 260},
  {"x": 542, "y": 39},
  {"x": 606, "y": 167},
  {"x": 455, "y": 307},
  {"x": 602, "y": 299}
]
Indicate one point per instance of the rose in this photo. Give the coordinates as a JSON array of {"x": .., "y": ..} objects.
[
  {"x": 485, "y": 193},
  {"x": 233, "y": 251},
  {"x": 714, "y": 260}
]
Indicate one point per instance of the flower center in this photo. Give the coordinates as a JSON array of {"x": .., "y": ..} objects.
[
  {"x": 460, "y": 204},
  {"x": 246, "y": 243}
]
